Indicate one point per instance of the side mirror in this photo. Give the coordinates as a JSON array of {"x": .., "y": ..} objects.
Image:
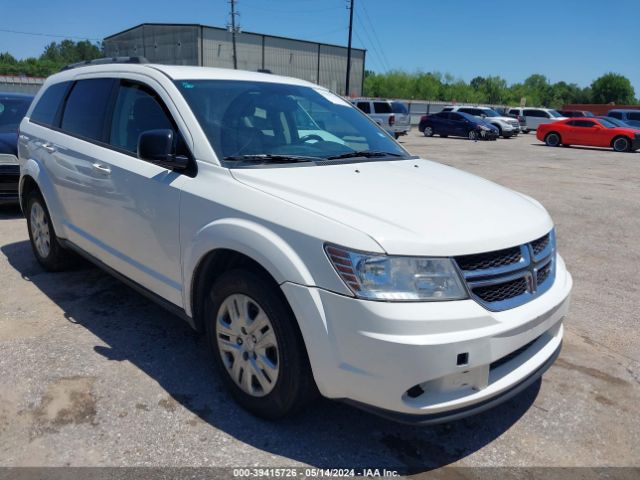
[
  {"x": 483, "y": 116},
  {"x": 157, "y": 146}
]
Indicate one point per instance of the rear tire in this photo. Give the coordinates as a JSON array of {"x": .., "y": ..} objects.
[
  {"x": 45, "y": 244},
  {"x": 259, "y": 349},
  {"x": 621, "y": 144},
  {"x": 552, "y": 139},
  {"x": 442, "y": 135}
]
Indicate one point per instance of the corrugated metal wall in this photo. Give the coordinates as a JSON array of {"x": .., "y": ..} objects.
[
  {"x": 169, "y": 44},
  {"x": 212, "y": 47}
]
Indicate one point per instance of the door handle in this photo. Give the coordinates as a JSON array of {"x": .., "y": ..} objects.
[
  {"x": 48, "y": 147},
  {"x": 103, "y": 169}
]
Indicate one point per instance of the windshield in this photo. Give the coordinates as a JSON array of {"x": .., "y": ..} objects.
[
  {"x": 490, "y": 113},
  {"x": 399, "y": 107},
  {"x": 555, "y": 113},
  {"x": 249, "y": 119},
  {"x": 12, "y": 111}
]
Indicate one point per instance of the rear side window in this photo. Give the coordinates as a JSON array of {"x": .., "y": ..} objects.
[
  {"x": 136, "y": 111},
  {"x": 381, "y": 107},
  {"x": 634, "y": 115},
  {"x": 616, "y": 115},
  {"x": 447, "y": 109},
  {"x": 514, "y": 112},
  {"x": 535, "y": 113},
  {"x": 399, "y": 107},
  {"x": 86, "y": 108},
  {"x": 456, "y": 117},
  {"x": 364, "y": 106},
  {"x": 48, "y": 107},
  {"x": 583, "y": 123}
]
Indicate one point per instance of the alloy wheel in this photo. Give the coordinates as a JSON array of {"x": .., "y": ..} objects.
[{"x": 40, "y": 230}]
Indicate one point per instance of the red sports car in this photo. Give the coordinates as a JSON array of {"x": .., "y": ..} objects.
[{"x": 594, "y": 132}]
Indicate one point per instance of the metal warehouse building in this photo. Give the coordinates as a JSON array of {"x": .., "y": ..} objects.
[{"x": 212, "y": 47}]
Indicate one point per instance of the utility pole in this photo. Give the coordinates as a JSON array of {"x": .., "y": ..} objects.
[
  {"x": 349, "y": 46},
  {"x": 234, "y": 30}
]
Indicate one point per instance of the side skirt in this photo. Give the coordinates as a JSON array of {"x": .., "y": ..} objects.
[{"x": 134, "y": 285}]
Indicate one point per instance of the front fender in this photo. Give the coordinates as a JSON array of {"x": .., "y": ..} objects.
[{"x": 248, "y": 238}]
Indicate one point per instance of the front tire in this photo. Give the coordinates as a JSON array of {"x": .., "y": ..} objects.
[
  {"x": 621, "y": 144},
  {"x": 473, "y": 135},
  {"x": 552, "y": 139},
  {"x": 257, "y": 345},
  {"x": 45, "y": 244},
  {"x": 428, "y": 132}
]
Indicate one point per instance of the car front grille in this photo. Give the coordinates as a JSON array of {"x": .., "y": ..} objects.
[{"x": 508, "y": 278}]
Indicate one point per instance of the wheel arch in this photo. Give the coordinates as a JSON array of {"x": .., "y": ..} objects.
[
  {"x": 628, "y": 139},
  {"x": 234, "y": 243}
]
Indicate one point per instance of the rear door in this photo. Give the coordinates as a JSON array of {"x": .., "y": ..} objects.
[
  {"x": 382, "y": 112},
  {"x": 535, "y": 117},
  {"x": 458, "y": 125}
]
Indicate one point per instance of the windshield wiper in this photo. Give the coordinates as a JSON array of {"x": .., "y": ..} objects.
[
  {"x": 365, "y": 154},
  {"x": 267, "y": 157}
]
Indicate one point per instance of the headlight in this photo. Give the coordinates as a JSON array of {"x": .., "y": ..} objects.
[
  {"x": 7, "y": 158},
  {"x": 482, "y": 127},
  {"x": 374, "y": 276}
]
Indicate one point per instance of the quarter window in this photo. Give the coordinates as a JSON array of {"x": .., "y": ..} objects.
[
  {"x": 46, "y": 110},
  {"x": 382, "y": 107},
  {"x": 86, "y": 108},
  {"x": 137, "y": 110}
]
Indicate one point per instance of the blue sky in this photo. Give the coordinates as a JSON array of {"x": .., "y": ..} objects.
[{"x": 570, "y": 40}]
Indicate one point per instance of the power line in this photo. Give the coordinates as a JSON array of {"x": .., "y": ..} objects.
[
  {"x": 375, "y": 35},
  {"x": 372, "y": 44},
  {"x": 52, "y": 35}
]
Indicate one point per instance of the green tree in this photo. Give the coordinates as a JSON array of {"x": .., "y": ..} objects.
[
  {"x": 613, "y": 87},
  {"x": 52, "y": 59}
]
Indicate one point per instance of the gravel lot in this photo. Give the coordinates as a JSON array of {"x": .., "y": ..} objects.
[{"x": 91, "y": 373}]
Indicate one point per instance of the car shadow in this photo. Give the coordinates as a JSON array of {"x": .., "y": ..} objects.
[
  {"x": 584, "y": 147},
  {"x": 10, "y": 212},
  {"x": 328, "y": 434}
]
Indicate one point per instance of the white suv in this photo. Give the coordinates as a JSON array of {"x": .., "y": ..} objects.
[
  {"x": 507, "y": 126},
  {"x": 392, "y": 115},
  {"x": 314, "y": 252},
  {"x": 536, "y": 116}
]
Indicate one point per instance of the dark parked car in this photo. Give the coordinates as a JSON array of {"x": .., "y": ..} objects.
[
  {"x": 13, "y": 107},
  {"x": 457, "y": 124},
  {"x": 575, "y": 113},
  {"x": 632, "y": 117}
]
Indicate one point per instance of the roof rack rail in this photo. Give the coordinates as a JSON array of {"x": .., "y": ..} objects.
[{"x": 104, "y": 61}]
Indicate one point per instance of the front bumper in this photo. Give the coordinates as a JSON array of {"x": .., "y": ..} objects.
[
  {"x": 9, "y": 179},
  {"x": 428, "y": 362}
]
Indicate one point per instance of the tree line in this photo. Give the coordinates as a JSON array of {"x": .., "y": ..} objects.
[
  {"x": 55, "y": 56},
  {"x": 536, "y": 89}
]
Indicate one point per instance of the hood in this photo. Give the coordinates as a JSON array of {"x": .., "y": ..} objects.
[
  {"x": 409, "y": 207},
  {"x": 507, "y": 119},
  {"x": 9, "y": 143}
]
